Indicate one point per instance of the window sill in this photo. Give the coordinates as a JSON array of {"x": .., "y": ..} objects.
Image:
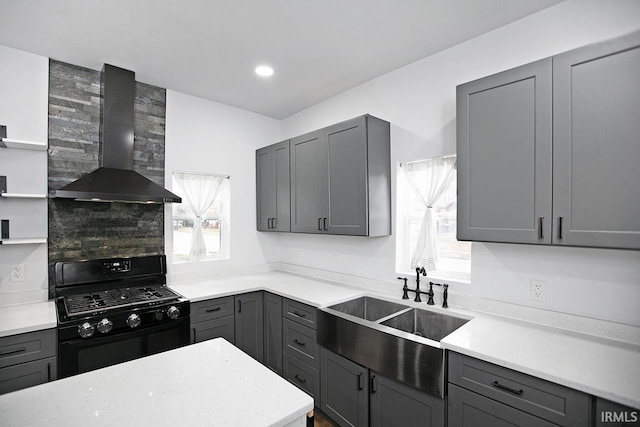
[{"x": 441, "y": 276}]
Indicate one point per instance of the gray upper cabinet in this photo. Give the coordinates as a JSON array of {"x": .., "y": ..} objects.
[
  {"x": 341, "y": 179},
  {"x": 548, "y": 152},
  {"x": 272, "y": 187},
  {"x": 596, "y": 145},
  {"x": 504, "y": 156}
]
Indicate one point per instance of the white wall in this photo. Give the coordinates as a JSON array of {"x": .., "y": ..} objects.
[
  {"x": 419, "y": 101},
  {"x": 205, "y": 136},
  {"x": 24, "y": 91}
]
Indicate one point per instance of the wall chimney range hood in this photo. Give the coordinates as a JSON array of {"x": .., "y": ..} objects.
[{"x": 115, "y": 180}]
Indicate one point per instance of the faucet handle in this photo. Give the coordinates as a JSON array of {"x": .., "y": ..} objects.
[
  {"x": 444, "y": 295},
  {"x": 430, "y": 293},
  {"x": 405, "y": 288}
]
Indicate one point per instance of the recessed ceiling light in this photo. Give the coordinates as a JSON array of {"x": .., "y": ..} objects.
[{"x": 264, "y": 71}]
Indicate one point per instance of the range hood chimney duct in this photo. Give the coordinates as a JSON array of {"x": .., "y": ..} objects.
[{"x": 115, "y": 180}]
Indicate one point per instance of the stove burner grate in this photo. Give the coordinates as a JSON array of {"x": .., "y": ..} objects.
[{"x": 87, "y": 303}]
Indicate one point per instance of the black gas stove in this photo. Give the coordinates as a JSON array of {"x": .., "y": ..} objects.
[{"x": 115, "y": 310}]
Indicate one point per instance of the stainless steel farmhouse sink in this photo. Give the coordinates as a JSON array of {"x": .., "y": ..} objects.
[{"x": 396, "y": 340}]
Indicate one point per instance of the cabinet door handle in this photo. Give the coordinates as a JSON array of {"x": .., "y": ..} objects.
[
  {"x": 211, "y": 310},
  {"x": 268, "y": 222},
  {"x": 48, "y": 372},
  {"x": 239, "y": 306},
  {"x": 373, "y": 384},
  {"x": 20, "y": 350},
  {"x": 300, "y": 343},
  {"x": 324, "y": 221},
  {"x": 360, "y": 381},
  {"x": 297, "y": 313},
  {"x": 193, "y": 341},
  {"x": 301, "y": 380},
  {"x": 560, "y": 227},
  {"x": 540, "y": 223},
  {"x": 520, "y": 392},
  {"x": 320, "y": 224},
  {"x": 274, "y": 223}
]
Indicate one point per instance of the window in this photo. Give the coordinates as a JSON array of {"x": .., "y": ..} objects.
[
  {"x": 419, "y": 184},
  {"x": 201, "y": 222}
]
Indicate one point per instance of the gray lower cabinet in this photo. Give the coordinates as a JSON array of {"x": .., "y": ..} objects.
[
  {"x": 596, "y": 128},
  {"x": 213, "y": 318},
  {"x": 547, "y": 152},
  {"x": 504, "y": 156},
  {"x": 249, "y": 331},
  {"x": 27, "y": 359},
  {"x": 340, "y": 179},
  {"x": 272, "y": 187},
  {"x": 481, "y": 393},
  {"x": 393, "y": 404},
  {"x": 301, "y": 351},
  {"x": 273, "y": 332},
  {"x": 344, "y": 389}
]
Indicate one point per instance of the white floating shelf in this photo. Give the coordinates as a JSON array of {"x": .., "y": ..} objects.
[
  {"x": 23, "y": 196},
  {"x": 23, "y": 241},
  {"x": 25, "y": 145}
]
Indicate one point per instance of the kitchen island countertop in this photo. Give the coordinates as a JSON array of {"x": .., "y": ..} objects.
[{"x": 204, "y": 384}]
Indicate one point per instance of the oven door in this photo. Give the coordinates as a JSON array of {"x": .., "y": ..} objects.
[{"x": 82, "y": 355}]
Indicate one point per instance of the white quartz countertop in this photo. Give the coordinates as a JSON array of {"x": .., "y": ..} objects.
[
  {"x": 206, "y": 384},
  {"x": 603, "y": 368},
  {"x": 18, "y": 319},
  {"x": 315, "y": 292}
]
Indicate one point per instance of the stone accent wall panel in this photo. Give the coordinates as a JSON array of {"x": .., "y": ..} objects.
[{"x": 87, "y": 230}]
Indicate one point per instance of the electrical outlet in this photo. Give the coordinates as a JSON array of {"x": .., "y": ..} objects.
[
  {"x": 537, "y": 290},
  {"x": 17, "y": 273}
]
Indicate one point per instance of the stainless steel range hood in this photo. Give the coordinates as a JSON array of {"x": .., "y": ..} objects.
[{"x": 115, "y": 180}]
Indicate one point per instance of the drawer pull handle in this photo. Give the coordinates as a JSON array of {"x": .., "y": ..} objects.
[
  {"x": 299, "y": 314},
  {"x": 300, "y": 380},
  {"x": 300, "y": 343},
  {"x": 20, "y": 350},
  {"x": 360, "y": 381},
  {"x": 211, "y": 310},
  {"x": 373, "y": 384},
  {"x": 520, "y": 392},
  {"x": 48, "y": 372}
]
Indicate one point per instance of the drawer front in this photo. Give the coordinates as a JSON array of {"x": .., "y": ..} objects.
[
  {"x": 27, "y": 374},
  {"x": 23, "y": 348},
  {"x": 550, "y": 401},
  {"x": 301, "y": 375},
  {"x": 211, "y": 309},
  {"x": 298, "y": 312},
  {"x": 469, "y": 409},
  {"x": 216, "y": 328},
  {"x": 300, "y": 342}
]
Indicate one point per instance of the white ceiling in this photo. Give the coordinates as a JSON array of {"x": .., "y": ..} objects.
[{"x": 209, "y": 48}]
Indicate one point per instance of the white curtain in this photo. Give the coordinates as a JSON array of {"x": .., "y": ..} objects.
[
  {"x": 199, "y": 191},
  {"x": 428, "y": 179}
]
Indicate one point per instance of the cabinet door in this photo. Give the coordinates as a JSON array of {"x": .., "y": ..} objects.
[
  {"x": 596, "y": 149},
  {"x": 223, "y": 327},
  {"x": 504, "y": 156},
  {"x": 344, "y": 394},
  {"x": 309, "y": 183},
  {"x": 273, "y": 332},
  {"x": 347, "y": 150},
  {"x": 272, "y": 187},
  {"x": 27, "y": 374},
  {"x": 468, "y": 409},
  {"x": 249, "y": 324},
  {"x": 265, "y": 188},
  {"x": 395, "y": 404}
]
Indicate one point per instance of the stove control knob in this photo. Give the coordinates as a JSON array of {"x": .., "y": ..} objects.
[
  {"x": 159, "y": 315},
  {"x": 133, "y": 321},
  {"x": 173, "y": 312},
  {"x": 86, "y": 330},
  {"x": 105, "y": 325}
]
